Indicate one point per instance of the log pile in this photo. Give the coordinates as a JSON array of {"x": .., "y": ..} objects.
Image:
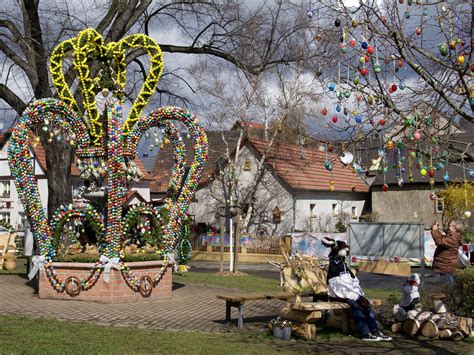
[{"x": 434, "y": 326}]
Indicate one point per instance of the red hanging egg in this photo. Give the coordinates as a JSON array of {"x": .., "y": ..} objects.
[
  {"x": 385, "y": 188},
  {"x": 472, "y": 67},
  {"x": 418, "y": 31},
  {"x": 394, "y": 87},
  {"x": 366, "y": 58},
  {"x": 431, "y": 172},
  {"x": 324, "y": 111},
  {"x": 370, "y": 49},
  {"x": 433, "y": 196},
  {"x": 382, "y": 122},
  {"x": 330, "y": 148},
  {"x": 363, "y": 71},
  {"x": 334, "y": 118},
  {"x": 400, "y": 63},
  {"x": 352, "y": 42}
]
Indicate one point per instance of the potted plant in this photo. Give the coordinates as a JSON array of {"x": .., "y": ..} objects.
[
  {"x": 10, "y": 261},
  {"x": 281, "y": 328}
]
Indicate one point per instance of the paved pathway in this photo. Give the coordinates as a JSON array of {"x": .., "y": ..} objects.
[{"x": 193, "y": 307}]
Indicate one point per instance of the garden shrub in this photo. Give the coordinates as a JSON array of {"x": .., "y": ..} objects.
[{"x": 465, "y": 291}]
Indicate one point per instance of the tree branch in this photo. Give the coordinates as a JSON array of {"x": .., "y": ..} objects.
[{"x": 12, "y": 99}]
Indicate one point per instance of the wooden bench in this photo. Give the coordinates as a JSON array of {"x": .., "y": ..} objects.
[
  {"x": 237, "y": 300},
  {"x": 307, "y": 313}
]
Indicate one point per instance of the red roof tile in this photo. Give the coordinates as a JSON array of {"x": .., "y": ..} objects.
[{"x": 310, "y": 173}]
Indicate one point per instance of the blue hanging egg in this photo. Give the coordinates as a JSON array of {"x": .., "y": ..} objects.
[
  {"x": 328, "y": 165},
  {"x": 402, "y": 85},
  {"x": 358, "y": 118},
  {"x": 446, "y": 177},
  {"x": 331, "y": 86},
  {"x": 338, "y": 108},
  {"x": 364, "y": 45}
]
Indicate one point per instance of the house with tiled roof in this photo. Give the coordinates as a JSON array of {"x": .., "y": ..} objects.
[
  {"x": 296, "y": 192},
  {"x": 11, "y": 209}
]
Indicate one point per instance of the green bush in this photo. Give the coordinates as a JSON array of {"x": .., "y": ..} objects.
[
  {"x": 93, "y": 258},
  {"x": 464, "y": 291},
  {"x": 468, "y": 237}
]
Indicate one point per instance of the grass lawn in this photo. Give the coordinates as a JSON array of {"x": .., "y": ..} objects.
[
  {"x": 252, "y": 283},
  {"x": 20, "y": 268},
  {"x": 34, "y": 335}
]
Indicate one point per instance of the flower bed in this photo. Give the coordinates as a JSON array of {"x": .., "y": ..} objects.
[{"x": 116, "y": 289}]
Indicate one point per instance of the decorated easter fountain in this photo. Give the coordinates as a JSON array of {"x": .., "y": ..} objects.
[{"x": 105, "y": 147}]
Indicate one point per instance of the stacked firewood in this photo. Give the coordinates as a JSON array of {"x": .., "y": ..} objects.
[{"x": 439, "y": 324}]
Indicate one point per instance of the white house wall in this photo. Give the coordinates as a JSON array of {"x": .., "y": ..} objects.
[
  {"x": 323, "y": 206},
  {"x": 16, "y": 207},
  {"x": 272, "y": 193}
]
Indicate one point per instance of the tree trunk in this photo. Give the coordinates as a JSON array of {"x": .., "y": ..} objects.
[
  {"x": 58, "y": 171},
  {"x": 237, "y": 241}
]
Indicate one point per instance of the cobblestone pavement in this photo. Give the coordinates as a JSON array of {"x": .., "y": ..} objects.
[{"x": 192, "y": 307}]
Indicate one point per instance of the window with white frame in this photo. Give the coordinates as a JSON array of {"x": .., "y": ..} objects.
[
  {"x": 5, "y": 217},
  {"x": 354, "y": 211},
  {"x": 312, "y": 210},
  {"x": 439, "y": 205},
  {"x": 5, "y": 188}
]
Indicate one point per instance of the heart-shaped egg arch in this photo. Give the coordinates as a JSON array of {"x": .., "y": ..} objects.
[{"x": 118, "y": 144}]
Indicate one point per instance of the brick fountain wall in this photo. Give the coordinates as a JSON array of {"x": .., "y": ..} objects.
[{"x": 117, "y": 290}]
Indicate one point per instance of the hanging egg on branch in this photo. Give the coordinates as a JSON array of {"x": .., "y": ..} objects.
[
  {"x": 377, "y": 68},
  {"x": 370, "y": 49},
  {"x": 355, "y": 23},
  {"x": 418, "y": 31},
  {"x": 352, "y": 42},
  {"x": 334, "y": 119},
  {"x": 317, "y": 37},
  {"x": 363, "y": 71},
  {"x": 407, "y": 15},
  {"x": 384, "y": 187},
  {"x": 324, "y": 111},
  {"x": 402, "y": 85},
  {"x": 337, "y": 22},
  {"x": 331, "y": 86},
  {"x": 443, "y": 49},
  {"x": 343, "y": 47},
  {"x": 382, "y": 122}
]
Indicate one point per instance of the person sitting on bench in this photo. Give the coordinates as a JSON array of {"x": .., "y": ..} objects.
[{"x": 344, "y": 286}]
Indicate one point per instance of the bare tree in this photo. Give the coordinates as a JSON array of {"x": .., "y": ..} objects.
[
  {"x": 271, "y": 101},
  {"x": 404, "y": 66}
]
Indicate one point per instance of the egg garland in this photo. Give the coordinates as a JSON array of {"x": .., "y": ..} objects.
[
  {"x": 86, "y": 134},
  {"x": 147, "y": 219}
]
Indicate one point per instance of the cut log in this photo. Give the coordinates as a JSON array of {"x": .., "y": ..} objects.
[
  {"x": 410, "y": 326},
  {"x": 300, "y": 316},
  {"x": 396, "y": 328},
  {"x": 445, "y": 334},
  {"x": 337, "y": 321},
  {"x": 305, "y": 331},
  {"x": 429, "y": 329},
  {"x": 465, "y": 326},
  {"x": 457, "y": 336}
]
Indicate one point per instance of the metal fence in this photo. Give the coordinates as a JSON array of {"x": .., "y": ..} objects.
[
  {"x": 252, "y": 244},
  {"x": 388, "y": 240}
]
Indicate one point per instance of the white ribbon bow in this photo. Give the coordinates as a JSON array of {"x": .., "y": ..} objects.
[
  {"x": 108, "y": 264},
  {"x": 37, "y": 262},
  {"x": 171, "y": 260}
]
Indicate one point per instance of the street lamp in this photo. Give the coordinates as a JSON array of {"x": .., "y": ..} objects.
[{"x": 232, "y": 214}]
